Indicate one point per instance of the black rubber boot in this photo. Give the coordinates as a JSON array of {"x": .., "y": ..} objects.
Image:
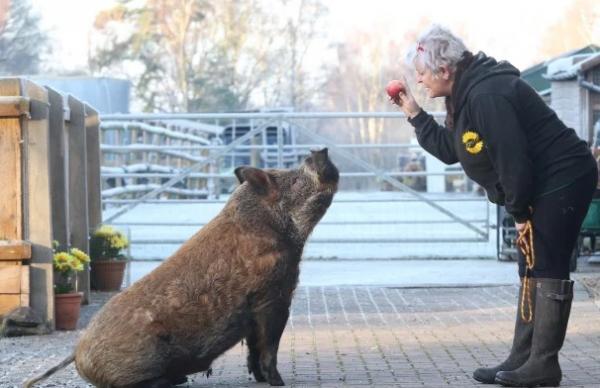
[
  {"x": 521, "y": 346},
  {"x": 552, "y": 309}
]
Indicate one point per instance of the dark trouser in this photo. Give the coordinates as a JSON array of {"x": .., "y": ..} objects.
[{"x": 557, "y": 219}]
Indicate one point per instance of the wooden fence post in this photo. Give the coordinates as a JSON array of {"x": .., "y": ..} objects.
[
  {"x": 59, "y": 192},
  {"x": 77, "y": 187},
  {"x": 38, "y": 221},
  {"x": 94, "y": 195}
]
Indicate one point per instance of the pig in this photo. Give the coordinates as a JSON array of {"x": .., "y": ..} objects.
[{"x": 233, "y": 280}]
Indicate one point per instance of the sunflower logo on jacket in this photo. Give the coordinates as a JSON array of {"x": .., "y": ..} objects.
[{"x": 473, "y": 142}]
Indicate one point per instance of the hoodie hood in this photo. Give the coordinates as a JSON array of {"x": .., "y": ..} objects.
[{"x": 481, "y": 68}]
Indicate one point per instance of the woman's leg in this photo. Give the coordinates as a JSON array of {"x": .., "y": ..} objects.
[{"x": 557, "y": 219}]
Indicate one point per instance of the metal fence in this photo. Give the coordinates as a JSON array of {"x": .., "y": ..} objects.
[{"x": 177, "y": 159}]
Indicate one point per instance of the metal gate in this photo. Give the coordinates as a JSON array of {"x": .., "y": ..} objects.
[{"x": 156, "y": 162}]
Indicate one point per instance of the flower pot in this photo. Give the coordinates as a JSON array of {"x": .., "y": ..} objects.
[
  {"x": 66, "y": 310},
  {"x": 107, "y": 275}
]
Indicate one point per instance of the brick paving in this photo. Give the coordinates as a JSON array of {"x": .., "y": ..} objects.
[{"x": 363, "y": 336}]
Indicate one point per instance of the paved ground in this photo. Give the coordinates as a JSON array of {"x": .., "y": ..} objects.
[{"x": 367, "y": 336}]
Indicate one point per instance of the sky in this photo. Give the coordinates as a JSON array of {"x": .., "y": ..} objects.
[{"x": 510, "y": 29}]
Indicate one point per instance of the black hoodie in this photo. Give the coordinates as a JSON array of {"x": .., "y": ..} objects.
[{"x": 505, "y": 137}]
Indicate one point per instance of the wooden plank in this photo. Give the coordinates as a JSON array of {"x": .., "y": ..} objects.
[
  {"x": 59, "y": 194},
  {"x": 13, "y": 106},
  {"x": 10, "y": 277},
  {"x": 15, "y": 250},
  {"x": 77, "y": 187},
  {"x": 25, "y": 289},
  {"x": 94, "y": 189},
  {"x": 10, "y": 87},
  {"x": 9, "y": 302},
  {"x": 10, "y": 176},
  {"x": 37, "y": 214}
]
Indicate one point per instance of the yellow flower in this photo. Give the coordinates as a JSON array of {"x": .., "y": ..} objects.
[
  {"x": 66, "y": 262},
  {"x": 107, "y": 242},
  {"x": 105, "y": 231},
  {"x": 80, "y": 255},
  {"x": 61, "y": 257},
  {"x": 77, "y": 266},
  {"x": 118, "y": 241}
]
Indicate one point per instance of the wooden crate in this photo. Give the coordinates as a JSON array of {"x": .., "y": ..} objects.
[{"x": 14, "y": 275}]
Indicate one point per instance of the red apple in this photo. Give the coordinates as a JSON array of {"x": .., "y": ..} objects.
[{"x": 394, "y": 88}]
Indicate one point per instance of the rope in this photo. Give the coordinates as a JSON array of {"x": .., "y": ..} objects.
[{"x": 525, "y": 243}]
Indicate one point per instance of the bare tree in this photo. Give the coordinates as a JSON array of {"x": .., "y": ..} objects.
[
  {"x": 22, "y": 42},
  {"x": 579, "y": 26},
  {"x": 187, "y": 55},
  {"x": 298, "y": 25},
  {"x": 202, "y": 55}
]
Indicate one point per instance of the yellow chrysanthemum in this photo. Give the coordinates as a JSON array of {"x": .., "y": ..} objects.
[
  {"x": 80, "y": 255},
  {"x": 118, "y": 241},
  {"x": 107, "y": 243},
  {"x": 473, "y": 143},
  {"x": 77, "y": 266},
  {"x": 65, "y": 262},
  {"x": 61, "y": 257},
  {"x": 105, "y": 231}
]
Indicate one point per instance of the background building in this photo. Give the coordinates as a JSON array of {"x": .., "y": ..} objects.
[{"x": 570, "y": 84}]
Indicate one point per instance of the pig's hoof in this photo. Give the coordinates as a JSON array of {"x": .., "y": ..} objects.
[
  {"x": 258, "y": 375},
  {"x": 275, "y": 379},
  {"x": 254, "y": 368},
  {"x": 277, "y": 382}
]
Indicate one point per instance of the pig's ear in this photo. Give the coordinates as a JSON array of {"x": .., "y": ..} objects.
[
  {"x": 256, "y": 177},
  {"x": 320, "y": 155}
]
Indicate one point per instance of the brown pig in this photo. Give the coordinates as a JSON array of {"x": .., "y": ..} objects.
[{"x": 232, "y": 280}]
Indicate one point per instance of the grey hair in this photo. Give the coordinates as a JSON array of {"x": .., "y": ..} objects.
[{"x": 436, "y": 47}]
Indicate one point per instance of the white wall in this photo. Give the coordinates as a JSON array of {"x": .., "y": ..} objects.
[{"x": 568, "y": 102}]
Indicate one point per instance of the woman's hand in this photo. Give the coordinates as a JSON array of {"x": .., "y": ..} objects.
[{"x": 401, "y": 95}]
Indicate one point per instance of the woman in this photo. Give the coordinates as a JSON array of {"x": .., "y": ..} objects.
[{"x": 513, "y": 145}]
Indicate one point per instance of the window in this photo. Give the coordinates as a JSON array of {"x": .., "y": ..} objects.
[{"x": 596, "y": 76}]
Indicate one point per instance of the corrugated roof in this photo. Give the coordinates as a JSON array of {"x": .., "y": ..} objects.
[
  {"x": 533, "y": 74},
  {"x": 563, "y": 69}
]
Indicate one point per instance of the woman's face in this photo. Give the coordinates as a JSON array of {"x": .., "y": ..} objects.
[{"x": 436, "y": 85}]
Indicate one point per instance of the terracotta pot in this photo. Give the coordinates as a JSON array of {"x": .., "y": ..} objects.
[
  {"x": 66, "y": 310},
  {"x": 107, "y": 275}
]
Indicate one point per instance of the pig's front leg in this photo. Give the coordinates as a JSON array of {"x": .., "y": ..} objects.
[
  {"x": 263, "y": 342},
  {"x": 253, "y": 355}
]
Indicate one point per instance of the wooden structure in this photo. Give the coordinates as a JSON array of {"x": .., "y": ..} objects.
[
  {"x": 25, "y": 219},
  {"x": 50, "y": 185},
  {"x": 14, "y": 275}
]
